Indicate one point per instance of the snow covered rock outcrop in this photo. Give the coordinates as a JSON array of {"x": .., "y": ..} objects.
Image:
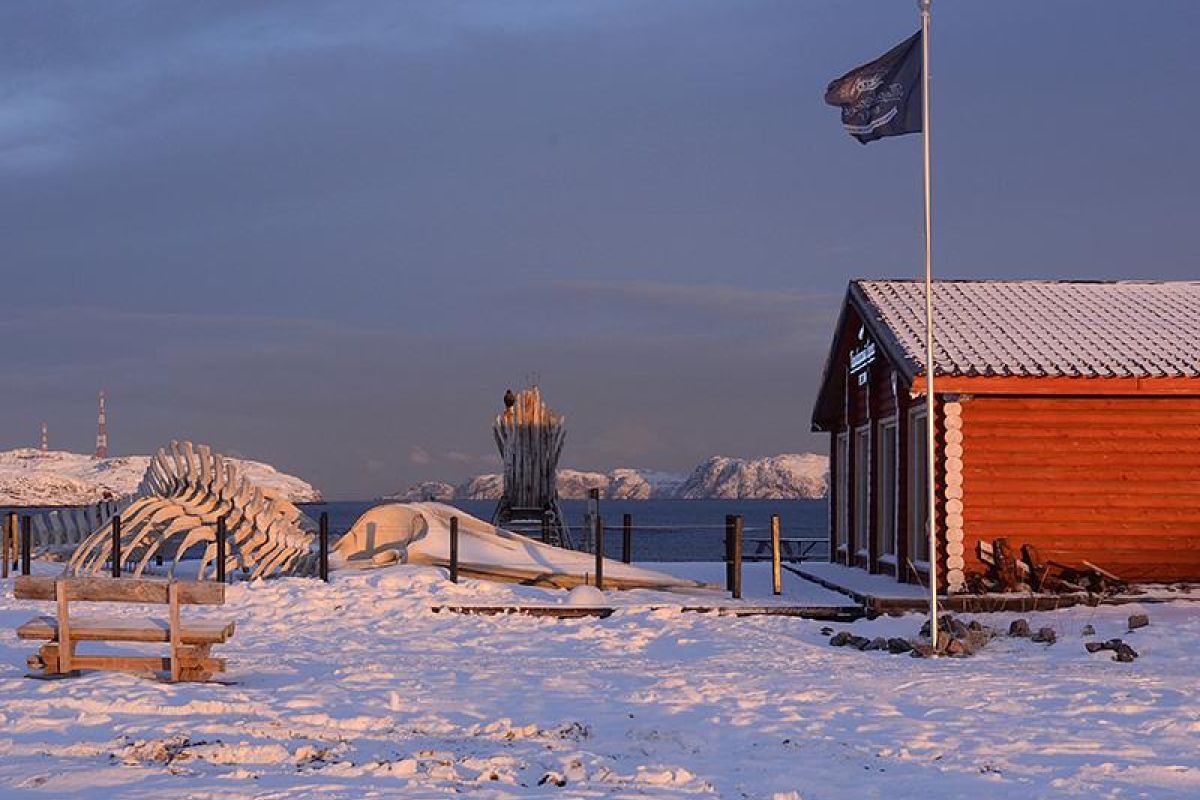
[
  {"x": 427, "y": 490},
  {"x": 787, "y": 476},
  {"x": 784, "y": 476},
  {"x": 30, "y": 477}
]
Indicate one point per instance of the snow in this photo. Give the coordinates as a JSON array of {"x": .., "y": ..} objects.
[
  {"x": 30, "y": 477},
  {"x": 791, "y": 475},
  {"x": 1042, "y": 327},
  {"x": 356, "y": 689},
  {"x": 862, "y": 582}
]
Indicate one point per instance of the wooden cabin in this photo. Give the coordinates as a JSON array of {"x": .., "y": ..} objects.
[{"x": 1067, "y": 416}]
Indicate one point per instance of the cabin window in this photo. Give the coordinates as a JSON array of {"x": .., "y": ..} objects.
[
  {"x": 918, "y": 490},
  {"x": 842, "y": 519},
  {"x": 862, "y": 487},
  {"x": 885, "y": 490}
]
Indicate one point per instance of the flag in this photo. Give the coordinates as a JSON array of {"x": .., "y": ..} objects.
[{"x": 882, "y": 98}]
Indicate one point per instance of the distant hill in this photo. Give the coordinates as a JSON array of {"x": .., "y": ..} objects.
[
  {"x": 787, "y": 476},
  {"x": 30, "y": 477}
]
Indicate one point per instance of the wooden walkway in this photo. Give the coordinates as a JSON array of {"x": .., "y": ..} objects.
[{"x": 846, "y": 613}]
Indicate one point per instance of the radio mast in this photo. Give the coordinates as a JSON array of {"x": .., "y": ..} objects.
[{"x": 101, "y": 432}]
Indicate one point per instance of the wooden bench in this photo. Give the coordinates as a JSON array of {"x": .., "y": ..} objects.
[{"x": 189, "y": 659}]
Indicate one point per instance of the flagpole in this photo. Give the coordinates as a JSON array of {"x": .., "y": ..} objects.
[{"x": 931, "y": 464}]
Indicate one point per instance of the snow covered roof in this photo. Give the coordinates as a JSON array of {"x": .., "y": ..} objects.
[{"x": 1038, "y": 328}]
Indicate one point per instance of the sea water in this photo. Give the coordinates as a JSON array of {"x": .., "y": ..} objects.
[{"x": 663, "y": 530}]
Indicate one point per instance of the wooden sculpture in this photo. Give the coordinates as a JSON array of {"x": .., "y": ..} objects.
[{"x": 530, "y": 439}]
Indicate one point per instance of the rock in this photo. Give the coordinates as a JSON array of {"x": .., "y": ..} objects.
[
  {"x": 827, "y": 631},
  {"x": 1019, "y": 627},
  {"x": 955, "y": 648},
  {"x": 1125, "y": 653},
  {"x": 878, "y": 643},
  {"x": 959, "y": 629},
  {"x": 860, "y": 642},
  {"x": 946, "y": 624},
  {"x": 922, "y": 650},
  {"x": 840, "y": 639},
  {"x": 976, "y": 639},
  {"x": 1046, "y": 635},
  {"x": 896, "y": 645},
  {"x": 1094, "y": 647},
  {"x": 1138, "y": 621},
  {"x": 1088, "y": 630}
]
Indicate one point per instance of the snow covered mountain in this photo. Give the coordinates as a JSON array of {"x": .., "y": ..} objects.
[
  {"x": 776, "y": 477},
  {"x": 29, "y": 477},
  {"x": 784, "y": 476}
]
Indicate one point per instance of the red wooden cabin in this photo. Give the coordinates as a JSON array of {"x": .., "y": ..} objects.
[{"x": 1067, "y": 417}]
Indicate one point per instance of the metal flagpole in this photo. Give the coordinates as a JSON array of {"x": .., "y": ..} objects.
[{"x": 924, "y": 5}]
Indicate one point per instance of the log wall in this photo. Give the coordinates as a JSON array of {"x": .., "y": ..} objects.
[{"x": 1114, "y": 481}]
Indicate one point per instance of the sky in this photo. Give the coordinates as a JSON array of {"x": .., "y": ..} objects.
[{"x": 329, "y": 236}]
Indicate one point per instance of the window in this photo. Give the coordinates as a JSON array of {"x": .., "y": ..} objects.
[
  {"x": 918, "y": 489},
  {"x": 841, "y": 522},
  {"x": 885, "y": 490},
  {"x": 862, "y": 487}
]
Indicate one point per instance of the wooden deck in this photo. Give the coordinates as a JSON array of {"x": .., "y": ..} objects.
[{"x": 877, "y": 594}]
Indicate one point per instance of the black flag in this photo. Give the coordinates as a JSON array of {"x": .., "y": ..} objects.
[{"x": 882, "y": 98}]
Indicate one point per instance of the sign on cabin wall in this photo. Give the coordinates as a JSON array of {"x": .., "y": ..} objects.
[{"x": 862, "y": 356}]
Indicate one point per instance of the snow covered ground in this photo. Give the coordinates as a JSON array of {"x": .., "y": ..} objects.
[{"x": 355, "y": 689}]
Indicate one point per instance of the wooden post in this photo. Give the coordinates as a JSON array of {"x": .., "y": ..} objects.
[
  {"x": 9, "y": 539},
  {"x": 116, "y": 546},
  {"x": 627, "y": 539},
  {"x": 173, "y": 622},
  {"x": 729, "y": 552},
  {"x": 26, "y": 544},
  {"x": 599, "y": 552},
  {"x": 776, "y": 567},
  {"x": 323, "y": 547},
  {"x": 221, "y": 549},
  {"x": 454, "y": 549},
  {"x": 64, "y": 626},
  {"x": 735, "y": 558}
]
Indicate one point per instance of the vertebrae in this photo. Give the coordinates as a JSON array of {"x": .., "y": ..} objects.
[{"x": 185, "y": 491}]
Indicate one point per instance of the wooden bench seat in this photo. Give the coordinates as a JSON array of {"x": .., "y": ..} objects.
[
  {"x": 111, "y": 629},
  {"x": 190, "y": 643}
]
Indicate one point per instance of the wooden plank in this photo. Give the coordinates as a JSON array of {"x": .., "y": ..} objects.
[
  {"x": 100, "y": 629},
  {"x": 1019, "y": 485},
  {"x": 139, "y": 664},
  {"x": 1062, "y": 386},
  {"x": 1116, "y": 499},
  {"x": 1153, "y": 513},
  {"x": 1078, "y": 431},
  {"x": 120, "y": 590}
]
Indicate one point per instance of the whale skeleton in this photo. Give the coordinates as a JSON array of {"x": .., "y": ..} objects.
[{"x": 185, "y": 490}]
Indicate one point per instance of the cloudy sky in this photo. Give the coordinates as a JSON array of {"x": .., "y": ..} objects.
[{"x": 329, "y": 235}]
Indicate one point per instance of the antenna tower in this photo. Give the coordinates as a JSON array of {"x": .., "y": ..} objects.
[{"x": 101, "y": 432}]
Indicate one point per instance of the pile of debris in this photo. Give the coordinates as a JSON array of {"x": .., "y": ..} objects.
[
  {"x": 1029, "y": 572},
  {"x": 956, "y": 638},
  {"x": 959, "y": 639}
]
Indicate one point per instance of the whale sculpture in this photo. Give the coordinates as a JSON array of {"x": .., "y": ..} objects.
[
  {"x": 175, "y": 509},
  {"x": 419, "y": 533}
]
